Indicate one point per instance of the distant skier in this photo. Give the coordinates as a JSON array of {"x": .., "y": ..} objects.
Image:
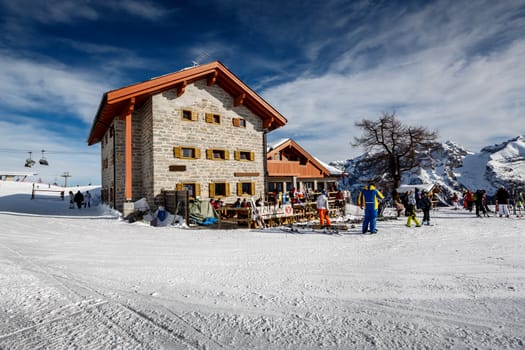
[
  {"x": 322, "y": 209},
  {"x": 79, "y": 199},
  {"x": 71, "y": 200},
  {"x": 411, "y": 210},
  {"x": 369, "y": 199},
  {"x": 502, "y": 200},
  {"x": 87, "y": 200},
  {"x": 480, "y": 199},
  {"x": 426, "y": 205}
]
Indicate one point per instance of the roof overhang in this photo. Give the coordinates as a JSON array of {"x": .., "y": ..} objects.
[{"x": 115, "y": 102}]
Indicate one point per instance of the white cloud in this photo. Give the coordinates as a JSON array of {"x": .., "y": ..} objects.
[
  {"x": 435, "y": 68},
  {"x": 47, "y": 87}
]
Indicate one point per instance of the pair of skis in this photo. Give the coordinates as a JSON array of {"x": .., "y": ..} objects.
[{"x": 330, "y": 230}]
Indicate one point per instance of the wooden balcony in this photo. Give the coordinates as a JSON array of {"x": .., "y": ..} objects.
[{"x": 293, "y": 168}]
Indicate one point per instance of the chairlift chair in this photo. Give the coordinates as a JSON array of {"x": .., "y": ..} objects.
[
  {"x": 29, "y": 162},
  {"x": 43, "y": 160}
]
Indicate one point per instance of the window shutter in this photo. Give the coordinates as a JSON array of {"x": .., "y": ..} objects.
[
  {"x": 177, "y": 152},
  {"x": 212, "y": 190},
  {"x": 209, "y": 118},
  {"x": 252, "y": 192},
  {"x": 227, "y": 189},
  {"x": 239, "y": 188},
  {"x": 197, "y": 153},
  {"x": 237, "y": 155},
  {"x": 178, "y": 187},
  {"x": 194, "y": 116},
  {"x": 226, "y": 155},
  {"x": 209, "y": 154},
  {"x": 197, "y": 189},
  {"x": 236, "y": 122},
  {"x": 252, "y": 155}
]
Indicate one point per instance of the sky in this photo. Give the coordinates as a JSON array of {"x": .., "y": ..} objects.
[{"x": 455, "y": 67}]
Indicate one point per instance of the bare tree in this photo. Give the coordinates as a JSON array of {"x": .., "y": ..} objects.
[{"x": 393, "y": 148}]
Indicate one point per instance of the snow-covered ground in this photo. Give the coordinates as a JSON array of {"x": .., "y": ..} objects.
[{"x": 83, "y": 279}]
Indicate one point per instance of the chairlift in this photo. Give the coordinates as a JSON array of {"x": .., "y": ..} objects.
[
  {"x": 29, "y": 162},
  {"x": 43, "y": 160}
]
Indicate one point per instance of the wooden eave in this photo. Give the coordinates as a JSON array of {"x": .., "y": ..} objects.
[
  {"x": 292, "y": 144},
  {"x": 114, "y": 102}
]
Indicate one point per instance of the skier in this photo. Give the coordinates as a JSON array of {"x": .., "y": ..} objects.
[
  {"x": 426, "y": 205},
  {"x": 369, "y": 198},
  {"x": 502, "y": 200},
  {"x": 322, "y": 209},
  {"x": 479, "y": 200},
  {"x": 411, "y": 210},
  {"x": 79, "y": 198},
  {"x": 87, "y": 200},
  {"x": 71, "y": 200}
]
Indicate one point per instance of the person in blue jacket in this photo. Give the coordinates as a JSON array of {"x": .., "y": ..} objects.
[{"x": 369, "y": 199}]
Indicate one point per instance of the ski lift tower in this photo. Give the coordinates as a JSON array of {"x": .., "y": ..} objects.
[{"x": 65, "y": 175}]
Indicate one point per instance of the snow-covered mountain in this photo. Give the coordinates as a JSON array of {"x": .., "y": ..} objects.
[{"x": 454, "y": 168}]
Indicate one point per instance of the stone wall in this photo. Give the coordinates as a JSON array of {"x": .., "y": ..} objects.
[{"x": 169, "y": 131}]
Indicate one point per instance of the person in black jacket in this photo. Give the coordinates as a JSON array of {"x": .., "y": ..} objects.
[
  {"x": 426, "y": 205},
  {"x": 502, "y": 200},
  {"x": 79, "y": 199}
]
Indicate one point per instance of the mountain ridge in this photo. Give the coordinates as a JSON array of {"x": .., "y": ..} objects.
[{"x": 455, "y": 169}]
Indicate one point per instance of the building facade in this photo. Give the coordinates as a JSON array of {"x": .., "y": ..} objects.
[
  {"x": 290, "y": 166},
  {"x": 200, "y": 129}
]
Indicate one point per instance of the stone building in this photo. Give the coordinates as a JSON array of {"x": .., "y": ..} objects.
[{"x": 200, "y": 129}]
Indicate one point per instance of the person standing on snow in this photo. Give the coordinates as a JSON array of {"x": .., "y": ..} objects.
[
  {"x": 369, "y": 199},
  {"x": 71, "y": 200},
  {"x": 411, "y": 210},
  {"x": 322, "y": 209},
  {"x": 79, "y": 198},
  {"x": 502, "y": 200},
  {"x": 426, "y": 205},
  {"x": 87, "y": 200}
]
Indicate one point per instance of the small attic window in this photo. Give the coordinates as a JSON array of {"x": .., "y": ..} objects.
[
  {"x": 239, "y": 122},
  {"x": 188, "y": 115}
]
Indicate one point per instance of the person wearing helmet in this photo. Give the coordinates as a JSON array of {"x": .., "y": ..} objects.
[{"x": 369, "y": 199}]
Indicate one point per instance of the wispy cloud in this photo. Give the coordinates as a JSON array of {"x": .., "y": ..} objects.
[
  {"x": 69, "y": 11},
  {"x": 49, "y": 87},
  {"x": 435, "y": 67}
]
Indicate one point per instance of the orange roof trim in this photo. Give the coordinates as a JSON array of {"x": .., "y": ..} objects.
[{"x": 114, "y": 102}]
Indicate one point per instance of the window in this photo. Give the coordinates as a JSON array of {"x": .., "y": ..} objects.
[
  {"x": 213, "y": 118},
  {"x": 245, "y": 155},
  {"x": 194, "y": 189},
  {"x": 184, "y": 152},
  {"x": 239, "y": 122},
  {"x": 219, "y": 189},
  {"x": 217, "y": 154},
  {"x": 246, "y": 188},
  {"x": 188, "y": 115}
]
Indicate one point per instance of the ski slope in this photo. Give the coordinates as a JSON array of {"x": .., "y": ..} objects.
[{"x": 84, "y": 279}]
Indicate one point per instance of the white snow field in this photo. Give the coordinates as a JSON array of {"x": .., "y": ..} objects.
[{"x": 83, "y": 279}]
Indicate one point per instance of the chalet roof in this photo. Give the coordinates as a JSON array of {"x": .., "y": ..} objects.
[
  {"x": 284, "y": 143},
  {"x": 334, "y": 171},
  {"x": 117, "y": 102}
]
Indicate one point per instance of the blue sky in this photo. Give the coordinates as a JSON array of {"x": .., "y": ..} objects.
[{"x": 457, "y": 67}]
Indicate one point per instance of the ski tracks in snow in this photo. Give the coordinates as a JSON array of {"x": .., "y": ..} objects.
[{"x": 66, "y": 310}]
